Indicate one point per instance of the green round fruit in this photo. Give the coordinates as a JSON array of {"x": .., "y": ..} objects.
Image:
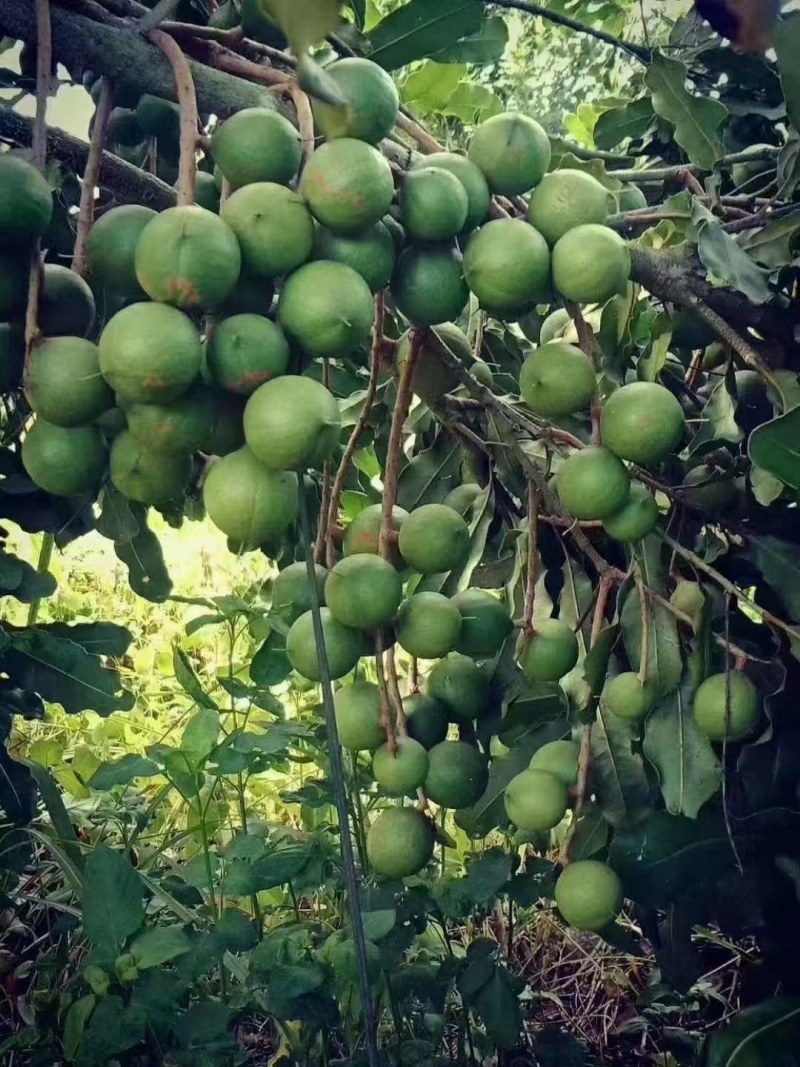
[
  {"x": 565, "y": 199},
  {"x": 327, "y": 308},
  {"x": 370, "y": 253},
  {"x": 433, "y": 204},
  {"x": 292, "y": 422},
  {"x": 559, "y": 758},
  {"x": 535, "y": 801},
  {"x": 245, "y": 351},
  {"x": 371, "y": 99},
  {"x": 147, "y": 475},
  {"x": 550, "y": 653},
  {"x": 461, "y": 686},
  {"x": 591, "y": 264},
  {"x": 344, "y": 646},
  {"x": 428, "y": 625},
  {"x": 403, "y": 771},
  {"x": 206, "y": 193},
  {"x": 434, "y": 539},
  {"x": 273, "y": 227},
  {"x": 188, "y": 257},
  {"x": 64, "y": 461},
  {"x": 256, "y": 145},
  {"x": 399, "y": 843},
  {"x": 588, "y": 894},
  {"x": 512, "y": 150},
  {"x": 689, "y": 598},
  {"x": 726, "y": 707},
  {"x": 507, "y": 265},
  {"x": 557, "y": 379},
  {"x": 463, "y": 497},
  {"x": 13, "y": 285},
  {"x": 626, "y": 697},
  {"x": 554, "y": 326},
  {"x": 631, "y": 198},
  {"x": 250, "y": 296},
  {"x": 485, "y": 623},
  {"x": 457, "y": 774},
  {"x": 12, "y": 356},
  {"x": 358, "y": 716},
  {"x": 26, "y": 203},
  {"x": 291, "y": 590},
  {"x": 363, "y": 533},
  {"x": 186, "y": 425},
  {"x": 150, "y": 353},
  {"x": 66, "y": 304},
  {"x": 471, "y": 177},
  {"x": 642, "y": 422},
  {"x": 64, "y": 383},
  {"x": 708, "y": 489},
  {"x": 347, "y": 185},
  {"x": 227, "y": 433},
  {"x": 426, "y": 719},
  {"x": 363, "y": 591},
  {"x": 111, "y": 250},
  {"x": 248, "y": 502},
  {"x": 593, "y": 483},
  {"x": 159, "y": 118},
  {"x": 636, "y": 518},
  {"x": 428, "y": 284}
]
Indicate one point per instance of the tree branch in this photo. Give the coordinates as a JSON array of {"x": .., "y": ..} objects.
[
  {"x": 130, "y": 184},
  {"x": 533, "y": 558},
  {"x": 635, "y": 51},
  {"x": 90, "y": 177}
]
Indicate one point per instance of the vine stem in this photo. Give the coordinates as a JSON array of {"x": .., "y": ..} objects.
[
  {"x": 644, "y": 652},
  {"x": 187, "y": 101},
  {"x": 585, "y": 757},
  {"x": 533, "y": 558},
  {"x": 363, "y": 418},
  {"x": 395, "y": 448},
  {"x": 90, "y": 176},
  {"x": 339, "y": 791},
  {"x": 44, "y": 63}
]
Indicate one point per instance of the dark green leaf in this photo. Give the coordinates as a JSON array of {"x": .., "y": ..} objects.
[
  {"x": 764, "y": 1033},
  {"x": 787, "y": 49},
  {"x": 187, "y": 678},
  {"x": 718, "y": 421},
  {"x": 99, "y": 638},
  {"x": 205, "y": 1025},
  {"x": 120, "y": 519},
  {"x": 18, "y": 790},
  {"x": 779, "y": 562},
  {"x": 148, "y": 576},
  {"x": 773, "y": 246},
  {"x": 591, "y": 834},
  {"x": 235, "y": 932},
  {"x": 122, "y": 771},
  {"x": 111, "y": 902},
  {"x": 75, "y": 1023},
  {"x": 270, "y": 665},
  {"x": 696, "y": 119},
  {"x": 429, "y": 477},
  {"x": 595, "y": 666},
  {"x": 159, "y": 945},
  {"x": 688, "y": 770},
  {"x": 664, "y": 663},
  {"x": 240, "y": 879},
  {"x": 200, "y": 736},
  {"x": 620, "y": 123},
  {"x": 112, "y": 1030},
  {"x": 22, "y": 581},
  {"x": 485, "y": 45},
  {"x": 620, "y": 782},
  {"x": 421, "y": 28},
  {"x": 775, "y": 447},
  {"x": 723, "y": 257}
]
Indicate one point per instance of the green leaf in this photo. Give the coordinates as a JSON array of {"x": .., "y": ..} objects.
[
  {"x": 112, "y": 1029},
  {"x": 787, "y": 48},
  {"x": 62, "y": 672},
  {"x": 186, "y": 677},
  {"x": 22, "y": 581},
  {"x": 422, "y": 28},
  {"x": 430, "y": 476},
  {"x": 723, "y": 257},
  {"x": 718, "y": 420},
  {"x": 486, "y": 876},
  {"x": 765, "y": 486},
  {"x": 779, "y": 562},
  {"x": 620, "y": 782},
  {"x": 75, "y": 1023},
  {"x": 650, "y": 365},
  {"x": 620, "y": 123},
  {"x": 486, "y": 45},
  {"x": 200, "y": 736},
  {"x": 696, "y": 119},
  {"x": 773, "y": 245},
  {"x": 122, "y": 771},
  {"x": 99, "y": 638},
  {"x": 688, "y": 771},
  {"x": 270, "y": 665},
  {"x": 664, "y": 662},
  {"x": 591, "y": 834},
  {"x": 764, "y": 1033},
  {"x": 473, "y": 103},
  {"x": 235, "y": 932},
  {"x": 111, "y": 902},
  {"x": 159, "y": 945},
  {"x": 305, "y": 24},
  {"x": 148, "y": 576},
  {"x": 775, "y": 447},
  {"x": 205, "y": 1025}
]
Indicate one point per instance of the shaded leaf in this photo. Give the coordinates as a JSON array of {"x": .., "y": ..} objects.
[
  {"x": 200, "y": 736},
  {"x": 620, "y": 782},
  {"x": 718, "y": 421},
  {"x": 485, "y": 45},
  {"x": 723, "y": 257},
  {"x": 18, "y": 790},
  {"x": 775, "y": 447},
  {"x": 620, "y": 123},
  {"x": 111, "y": 902},
  {"x": 187, "y": 678},
  {"x": 148, "y": 576},
  {"x": 779, "y": 562},
  {"x": 664, "y": 662},
  {"x": 773, "y": 245},
  {"x": 159, "y": 945},
  {"x": 99, "y": 638},
  {"x": 270, "y": 665},
  {"x": 22, "y": 581},
  {"x": 787, "y": 48},
  {"x": 421, "y": 28},
  {"x": 122, "y": 771},
  {"x": 696, "y": 119},
  {"x": 764, "y": 1033},
  {"x": 429, "y": 477}
]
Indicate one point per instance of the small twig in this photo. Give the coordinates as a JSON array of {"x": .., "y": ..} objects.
[
  {"x": 734, "y": 649},
  {"x": 395, "y": 695},
  {"x": 394, "y": 450},
  {"x": 187, "y": 101},
  {"x": 228, "y": 61},
  {"x": 586, "y": 338},
  {"x": 387, "y": 710},
  {"x": 635, "y": 51},
  {"x": 644, "y": 653},
  {"x": 90, "y": 176},
  {"x": 233, "y": 37},
  {"x": 305, "y": 120},
  {"x": 418, "y": 133},
  {"x": 363, "y": 418},
  {"x": 533, "y": 558},
  {"x": 480, "y": 330},
  {"x": 324, "y": 514},
  {"x": 413, "y": 677}
]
